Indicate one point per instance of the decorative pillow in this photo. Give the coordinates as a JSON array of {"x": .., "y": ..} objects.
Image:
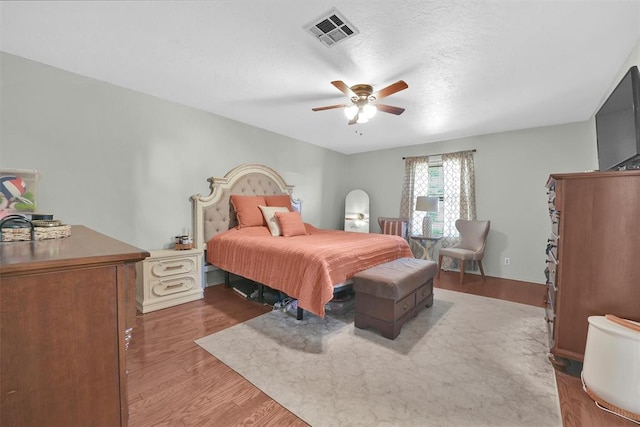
[
  {"x": 291, "y": 224},
  {"x": 280, "y": 200},
  {"x": 269, "y": 213},
  {"x": 247, "y": 210}
]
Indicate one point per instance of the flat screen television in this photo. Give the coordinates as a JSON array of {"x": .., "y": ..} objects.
[{"x": 618, "y": 125}]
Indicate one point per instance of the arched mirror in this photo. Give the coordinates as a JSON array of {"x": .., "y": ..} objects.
[{"x": 356, "y": 212}]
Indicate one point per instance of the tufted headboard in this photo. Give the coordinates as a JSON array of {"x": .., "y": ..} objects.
[{"x": 214, "y": 213}]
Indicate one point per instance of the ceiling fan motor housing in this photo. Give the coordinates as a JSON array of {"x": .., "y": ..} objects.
[{"x": 364, "y": 94}]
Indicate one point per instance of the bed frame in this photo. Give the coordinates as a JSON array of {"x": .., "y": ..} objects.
[{"x": 214, "y": 213}]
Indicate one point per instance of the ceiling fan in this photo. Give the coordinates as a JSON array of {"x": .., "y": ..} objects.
[{"x": 364, "y": 101}]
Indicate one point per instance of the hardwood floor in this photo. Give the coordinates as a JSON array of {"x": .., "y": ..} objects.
[
  {"x": 173, "y": 382},
  {"x": 577, "y": 409}
]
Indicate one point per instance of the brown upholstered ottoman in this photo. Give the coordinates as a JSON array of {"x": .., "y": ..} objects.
[{"x": 389, "y": 294}]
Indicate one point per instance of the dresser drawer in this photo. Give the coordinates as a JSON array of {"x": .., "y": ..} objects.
[
  {"x": 555, "y": 222},
  {"x": 550, "y": 318},
  {"x": 551, "y": 274},
  {"x": 552, "y": 247},
  {"x": 551, "y": 333},
  {"x": 551, "y": 200},
  {"x": 552, "y": 293}
]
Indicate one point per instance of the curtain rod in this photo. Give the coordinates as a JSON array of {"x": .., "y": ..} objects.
[{"x": 454, "y": 152}]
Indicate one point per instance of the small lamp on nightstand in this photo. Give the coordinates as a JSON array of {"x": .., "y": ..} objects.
[{"x": 428, "y": 205}]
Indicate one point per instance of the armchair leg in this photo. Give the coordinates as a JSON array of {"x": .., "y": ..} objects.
[
  {"x": 439, "y": 265},
  {"x": 461, "y": 271},
  {"x": 481, "y": 269}
]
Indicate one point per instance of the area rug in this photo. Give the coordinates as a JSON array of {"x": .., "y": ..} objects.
[{"x": 466, "y": 361}]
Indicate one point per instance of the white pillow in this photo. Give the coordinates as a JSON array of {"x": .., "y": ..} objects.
[{"x": 269, "y": 213}]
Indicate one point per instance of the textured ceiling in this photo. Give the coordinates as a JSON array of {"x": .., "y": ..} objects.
[{"x": 473, "y": 67}]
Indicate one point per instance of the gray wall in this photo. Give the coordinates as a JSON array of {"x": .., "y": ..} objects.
[
  {"x": 511, "y": 170},
  {"x": 125, "y": 163}
]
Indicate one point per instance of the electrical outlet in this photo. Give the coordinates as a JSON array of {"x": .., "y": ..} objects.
[{"x": 507, "y": 261}]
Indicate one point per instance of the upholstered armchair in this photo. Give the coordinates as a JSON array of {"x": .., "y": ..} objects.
[
  {"x": 395, "y": 226},
  {"x": 473, "y": 238}
]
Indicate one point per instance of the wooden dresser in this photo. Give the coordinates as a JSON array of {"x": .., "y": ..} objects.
[
  {"x": 67, "y": 309},
  {"x": 593, "y": 255}
]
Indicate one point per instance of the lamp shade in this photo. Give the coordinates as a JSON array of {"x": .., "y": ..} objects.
[{"x": 427, "y": 204}]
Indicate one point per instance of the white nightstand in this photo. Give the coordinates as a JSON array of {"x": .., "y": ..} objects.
[{"x": 167, "y": 278}]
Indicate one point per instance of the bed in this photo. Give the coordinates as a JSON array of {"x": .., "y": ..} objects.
[{"x": 307, "y": 265}]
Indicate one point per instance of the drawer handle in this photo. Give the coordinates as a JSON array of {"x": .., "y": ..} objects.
[
  {"x": 175, "y": 285},
  {"x": 405, "y": 306},
  {"x": 172, "y": 267}
]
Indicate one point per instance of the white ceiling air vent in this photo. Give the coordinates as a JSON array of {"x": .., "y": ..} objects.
[{"x": 331, "y": 28}]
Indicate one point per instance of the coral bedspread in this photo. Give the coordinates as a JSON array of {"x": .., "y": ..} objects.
[{"x": 304, "y": 267}]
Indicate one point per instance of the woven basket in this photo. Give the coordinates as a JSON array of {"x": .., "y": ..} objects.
[{"x": 40, "y": 233}]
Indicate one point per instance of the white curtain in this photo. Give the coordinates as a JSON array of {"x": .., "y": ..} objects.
[{"x": 415, "y": 184}]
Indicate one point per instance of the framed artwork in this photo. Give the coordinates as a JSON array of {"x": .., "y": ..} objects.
[{"x": 18, "y": 191}]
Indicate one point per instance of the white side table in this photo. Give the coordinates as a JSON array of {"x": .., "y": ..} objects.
[
  {"x": 427, "y": 244},
  {"x": 168, "y": 277}
]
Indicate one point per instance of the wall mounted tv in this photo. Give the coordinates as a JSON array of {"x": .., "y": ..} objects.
[{"x": 618, "y": 125}]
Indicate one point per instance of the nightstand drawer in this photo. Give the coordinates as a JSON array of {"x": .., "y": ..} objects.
[
  {"x": 172, "y": 267},
  {"x": 171, "y": 286}
]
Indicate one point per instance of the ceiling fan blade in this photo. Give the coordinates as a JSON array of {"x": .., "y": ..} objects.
[
  {"x": 342, "y": 87},
  {"x": 390, "y": 109},
  {"x": 391, "y": 89},
  {"x": 353, "y": 121},
  {"x": 329, "y": 107}
]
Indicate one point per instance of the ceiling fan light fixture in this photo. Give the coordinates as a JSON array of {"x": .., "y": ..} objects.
[
  {"x": 369, "y": 111},
  {"x": 362, "y": 118},
  {"x": 351, "y": 111}
]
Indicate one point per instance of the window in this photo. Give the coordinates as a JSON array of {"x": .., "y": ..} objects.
[
  {"x": 427, "y": 181},
  {"x": 450, "y": 177}
]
